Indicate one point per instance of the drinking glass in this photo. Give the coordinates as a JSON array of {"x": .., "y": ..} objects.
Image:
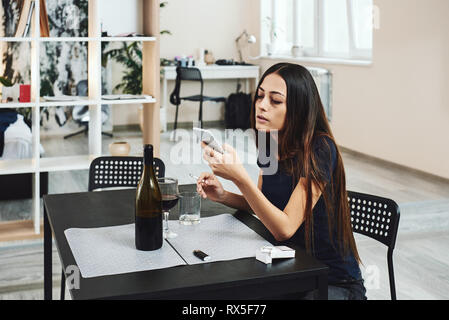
[
  {"x": 170, "y": 194},
  {"x": 189, "y": 208}
]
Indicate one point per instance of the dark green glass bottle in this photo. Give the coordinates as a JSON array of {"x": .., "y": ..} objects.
[{"x": 148, "y": 210}]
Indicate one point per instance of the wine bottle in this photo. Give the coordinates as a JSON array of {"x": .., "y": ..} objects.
[{"x": 148, "y": 210}]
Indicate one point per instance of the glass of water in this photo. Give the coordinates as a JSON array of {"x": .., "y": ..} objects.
[{"x": 189, "y": 208}]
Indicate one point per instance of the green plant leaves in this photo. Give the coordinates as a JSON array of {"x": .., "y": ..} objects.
[{"x": 6, "y": 82}]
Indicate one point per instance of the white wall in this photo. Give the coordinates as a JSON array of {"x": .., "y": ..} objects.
[
  {"x": 126, "y": 16},
  {"x": 210, "y": 24}
]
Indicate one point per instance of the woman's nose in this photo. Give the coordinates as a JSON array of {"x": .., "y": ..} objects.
[{"x": 263, "y": 105}]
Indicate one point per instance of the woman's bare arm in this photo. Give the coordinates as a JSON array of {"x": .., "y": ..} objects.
[
  {"x": 237, "y": 201},
  {"x": 281, "y": 223}
]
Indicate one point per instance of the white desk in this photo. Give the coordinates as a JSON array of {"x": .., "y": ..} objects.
[{"x": 208, "y": 72}]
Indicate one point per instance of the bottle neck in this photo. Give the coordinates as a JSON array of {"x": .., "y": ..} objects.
[{"x": 148, "y": 157}]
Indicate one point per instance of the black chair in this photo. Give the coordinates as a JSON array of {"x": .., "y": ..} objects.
[
  {"x": 190, "y": 74},
  {"x": 377, "y": 218},
  {"x": 110, "y": 172}
]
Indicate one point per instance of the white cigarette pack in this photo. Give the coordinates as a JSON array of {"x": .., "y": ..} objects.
[
  {"x": 280, "y": 252},
  {"x": 267, "y": 253},
  {"x": 264, "y": 257}
]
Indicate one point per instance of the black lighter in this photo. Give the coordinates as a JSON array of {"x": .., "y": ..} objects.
[{"x": 201, "y": 255}]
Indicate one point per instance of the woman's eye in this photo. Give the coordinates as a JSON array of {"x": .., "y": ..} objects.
[
  {"x": 276, "y": 102},
  {"x": 259, "y": 97}
]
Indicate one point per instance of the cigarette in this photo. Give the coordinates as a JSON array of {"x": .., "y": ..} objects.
[{"x": 196, "y": 178}]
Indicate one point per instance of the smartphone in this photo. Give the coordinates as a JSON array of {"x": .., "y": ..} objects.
[{"x": 208, "y": 138}]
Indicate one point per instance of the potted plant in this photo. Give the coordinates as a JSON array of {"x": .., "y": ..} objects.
[{"x": 129, "y": 55}]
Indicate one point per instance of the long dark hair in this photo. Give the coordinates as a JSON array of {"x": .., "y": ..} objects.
[{"x": 305, "y": 121}]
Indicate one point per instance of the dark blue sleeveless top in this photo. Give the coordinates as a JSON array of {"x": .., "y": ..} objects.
[{"x": 278, "y": 188}]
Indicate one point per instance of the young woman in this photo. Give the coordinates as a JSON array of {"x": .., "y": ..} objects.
[{"x": 305, "y": 200}]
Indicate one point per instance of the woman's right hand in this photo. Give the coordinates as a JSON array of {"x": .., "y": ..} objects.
[{"x": 208, "y": 186}]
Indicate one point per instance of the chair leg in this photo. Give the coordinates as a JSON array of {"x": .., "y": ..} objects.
[
  {"x": 85, "y": 130},
  {"x": 62, "y": 285},
  {"x": 200, "y": 116},
  {"x": 176, "y": 123},
  {"x": 176, "y": 116},
  {"x": 76, "y": 133},
  {"x": 391, "y": 274},
  {"x": 107, "y": 134}
]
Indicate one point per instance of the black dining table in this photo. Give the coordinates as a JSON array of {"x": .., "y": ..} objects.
[{"x": 245, "y": 278}]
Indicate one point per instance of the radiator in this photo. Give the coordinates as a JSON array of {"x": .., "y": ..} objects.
[{"x": 323, "y": 80}]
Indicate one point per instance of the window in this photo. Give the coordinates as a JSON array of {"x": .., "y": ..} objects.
[{"x": 320, "y": 28}]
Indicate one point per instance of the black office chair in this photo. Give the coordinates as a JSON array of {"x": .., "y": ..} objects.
[
  {"x": 377, "y": 218},
  {"x": 107, "y": 172},
  {"x": 80, "y": 114},
  {"x": 190, "y": 74}
]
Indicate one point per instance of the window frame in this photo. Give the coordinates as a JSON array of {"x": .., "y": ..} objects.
[{"x": 317, "y": 51}]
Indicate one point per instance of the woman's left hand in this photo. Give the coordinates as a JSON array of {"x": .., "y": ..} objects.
[{"x": 227, "y": 165}]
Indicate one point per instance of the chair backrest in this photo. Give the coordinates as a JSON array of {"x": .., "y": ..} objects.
[
  {"x": 107, "y": 172},
  {"x": 82, "y": 88},
  {"x": 188, "y": 74},
  {"x": 375, "y": 217}
]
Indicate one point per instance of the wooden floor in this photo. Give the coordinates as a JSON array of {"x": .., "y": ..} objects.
[
  {"x": 421, "y": 257},
  {"x": 19, "y": 230}
]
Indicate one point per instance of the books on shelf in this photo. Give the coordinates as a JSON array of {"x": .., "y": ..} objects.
[
  {"x": 124, "y": 97},
  {"x": 25, "y": 19}
]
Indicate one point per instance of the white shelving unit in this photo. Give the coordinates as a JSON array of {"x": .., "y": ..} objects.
[
  {"x": 150, "y": 84},
  {"x": 12, "y": 39},
  {"x": 17, "y": 105}
]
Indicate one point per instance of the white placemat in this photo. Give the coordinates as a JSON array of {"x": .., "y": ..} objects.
[
  {"x": 222, "y": 237},
  {"x": 111, "y": 250}
]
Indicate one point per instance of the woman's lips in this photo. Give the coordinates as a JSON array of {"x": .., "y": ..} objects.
[{"x": 262, "y": 119}]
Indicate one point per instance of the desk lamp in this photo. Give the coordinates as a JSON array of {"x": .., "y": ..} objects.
[{"x": 249, "y": 39}]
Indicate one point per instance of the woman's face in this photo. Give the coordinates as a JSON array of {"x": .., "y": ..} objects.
[{"x": 271, "y": 103}]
